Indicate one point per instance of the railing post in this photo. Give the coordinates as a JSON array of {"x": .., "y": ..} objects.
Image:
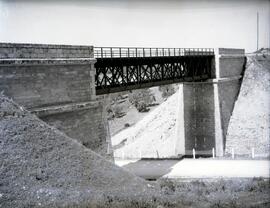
[
  {"x": 136, "y": 52},
  {"x": 156, "y": 52},
  {"x": 138, "y": 74},
  {"x": 143, "y": 53},
  {"x": 120, "y": 52},
  {"x": 162, "y": 51},
  {"x": 150, "y": 52},
  {"x": 111, "y": 53},
  {"x": 101, "y": 50},
  {"x": 128, "y": 52}
]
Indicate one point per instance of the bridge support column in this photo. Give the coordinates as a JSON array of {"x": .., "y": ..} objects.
[
  {"x": 205, "y": 107},
  {"x": 198, "y": 119}
]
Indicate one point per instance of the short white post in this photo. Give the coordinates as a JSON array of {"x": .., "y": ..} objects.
[
  {"x": 194, "y": 153},
  {"x": 232, "y": 153},
  {"x": 157, "y": 154},
  {"x": 213, "y": 152},
  {"x": 253, "y": 152}
]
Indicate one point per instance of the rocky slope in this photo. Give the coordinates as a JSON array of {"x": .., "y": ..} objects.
[
  {"x": 152, "y": 136},
  {"x": 249, "y": 125}
]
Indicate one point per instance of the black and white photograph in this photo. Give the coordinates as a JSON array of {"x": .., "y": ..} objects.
[{"x": 134, "y": 103}]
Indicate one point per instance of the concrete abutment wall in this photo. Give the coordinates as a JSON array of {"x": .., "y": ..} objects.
[{"x": 56, "y": 82}]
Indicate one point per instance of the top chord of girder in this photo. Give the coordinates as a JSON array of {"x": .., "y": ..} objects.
[{"x": 133, "y": 52}]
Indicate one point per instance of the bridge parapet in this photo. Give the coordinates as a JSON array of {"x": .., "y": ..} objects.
[
  {"x": 44, "y": 51},
  {"x": 139, "y": 52}
]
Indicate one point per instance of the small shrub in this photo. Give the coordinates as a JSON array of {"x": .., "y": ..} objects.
[
  {"x": 167, "y": 186},
  {"x": 166, "y": 90},
  {"x": 118, "y": 111},
  {"x": 115, "y": 111},
  {"x": 110, "y": 114},
  {"x": 142, "y": 107},
  {"x": 144, "y": 95}
]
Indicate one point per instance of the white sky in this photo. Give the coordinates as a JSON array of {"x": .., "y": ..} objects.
[{"x": 148, "y": 23}]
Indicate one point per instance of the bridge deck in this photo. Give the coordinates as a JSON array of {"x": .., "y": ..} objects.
[{"x": 120, "y": 69}]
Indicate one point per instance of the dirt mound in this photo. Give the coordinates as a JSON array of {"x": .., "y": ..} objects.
[
  {"x": 263, "y": 51},
  {"x": 42, "y": 167},
  {"x": 249, "y": 125}
]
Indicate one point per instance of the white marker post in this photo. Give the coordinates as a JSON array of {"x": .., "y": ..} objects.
[
  {"x": 232, "y": 153},
  {"x": 194, "y": 153},
  {"x": 213, "y": 152},
  {"x": 253, "y": 152}
]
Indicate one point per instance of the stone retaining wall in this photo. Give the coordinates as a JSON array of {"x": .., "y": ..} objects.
[{"x": 56, "y": 82}]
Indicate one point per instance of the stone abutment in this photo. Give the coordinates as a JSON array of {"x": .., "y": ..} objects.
[{"x": 57, "y": 83}]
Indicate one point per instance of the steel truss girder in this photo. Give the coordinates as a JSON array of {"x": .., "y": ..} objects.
[{"x": 120, "y": 74}]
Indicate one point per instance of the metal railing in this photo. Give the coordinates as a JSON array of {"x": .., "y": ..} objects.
[{"x": 133, "y": 52}]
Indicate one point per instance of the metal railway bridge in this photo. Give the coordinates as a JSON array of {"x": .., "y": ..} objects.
[{"x": 120, "y": 69}]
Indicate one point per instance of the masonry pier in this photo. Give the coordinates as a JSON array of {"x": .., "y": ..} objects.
[{"x": 205, "y": 107}]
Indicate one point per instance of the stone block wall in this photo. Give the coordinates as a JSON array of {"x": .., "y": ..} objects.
[
  {"x": 207, "y": 106},
  {"x": 228, "y": 92},
  {"x": 44, "y": 84},
  {"x": 43, "y": 51},
  {"x": 230, "y": 66},
  {"x": 199, "y": 118},
  {"x": 57, "y": 83},
  {"x": 229, "y": 62},
  {"x": 87, "y": 125}
]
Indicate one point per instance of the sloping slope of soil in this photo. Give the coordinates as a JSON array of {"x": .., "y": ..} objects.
[
  {"x": 153, "y": 136},
  {"x": 42, "y": 167},
  {"x": 249, "y": 125}
]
